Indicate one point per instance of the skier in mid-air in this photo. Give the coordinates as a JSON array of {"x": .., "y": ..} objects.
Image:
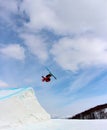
[{"x": 47, "y": 78}]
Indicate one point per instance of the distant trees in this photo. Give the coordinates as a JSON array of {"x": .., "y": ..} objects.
[{"x": 98, "y": 112}]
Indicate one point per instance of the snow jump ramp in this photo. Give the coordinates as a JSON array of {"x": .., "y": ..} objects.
[{"x": 20, "y": 106}]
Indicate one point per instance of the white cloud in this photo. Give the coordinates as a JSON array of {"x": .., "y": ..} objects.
[
  {"x": 36, "y": 46},
  {"x": 7, "y": 8},
  {"x": 78, "y": 16},
  {"x": 13, "y": 51},
  {"x": 41, "y": 15},
  {"x": 3, "y": 84},
  {"x": 5, "y": 5},
  {"x": 77, "y": 53},
  {"x": 67, "y": 16},
  {"x": 62, "y": 16}
]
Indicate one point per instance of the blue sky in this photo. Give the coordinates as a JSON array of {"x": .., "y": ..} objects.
[{"x": 68, "y": 37}]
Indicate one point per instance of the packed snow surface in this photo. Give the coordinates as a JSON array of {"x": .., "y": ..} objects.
[
  {"x": 20, "y": 106},
  {"x": 62, "y": 124}
]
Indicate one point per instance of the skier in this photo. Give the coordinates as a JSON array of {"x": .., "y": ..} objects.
[{"x": 47, "y": 78}]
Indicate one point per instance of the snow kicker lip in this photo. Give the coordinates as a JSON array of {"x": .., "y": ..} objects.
[{"x": 13, "y": 92}]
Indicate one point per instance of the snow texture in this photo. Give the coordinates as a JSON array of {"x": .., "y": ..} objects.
[
  {"x": 62, "y": 124},
  {"x": 20, "y": 106},
  {"x": 20, "y": 110}
]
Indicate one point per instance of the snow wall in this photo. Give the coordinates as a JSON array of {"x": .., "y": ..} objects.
[{"x": 20, "y": 106}]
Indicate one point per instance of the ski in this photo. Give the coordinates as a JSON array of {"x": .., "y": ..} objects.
[{"x": 51, "y": 73}]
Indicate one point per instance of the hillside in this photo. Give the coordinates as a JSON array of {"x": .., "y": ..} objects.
[{"x": 97, "y": 112}]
